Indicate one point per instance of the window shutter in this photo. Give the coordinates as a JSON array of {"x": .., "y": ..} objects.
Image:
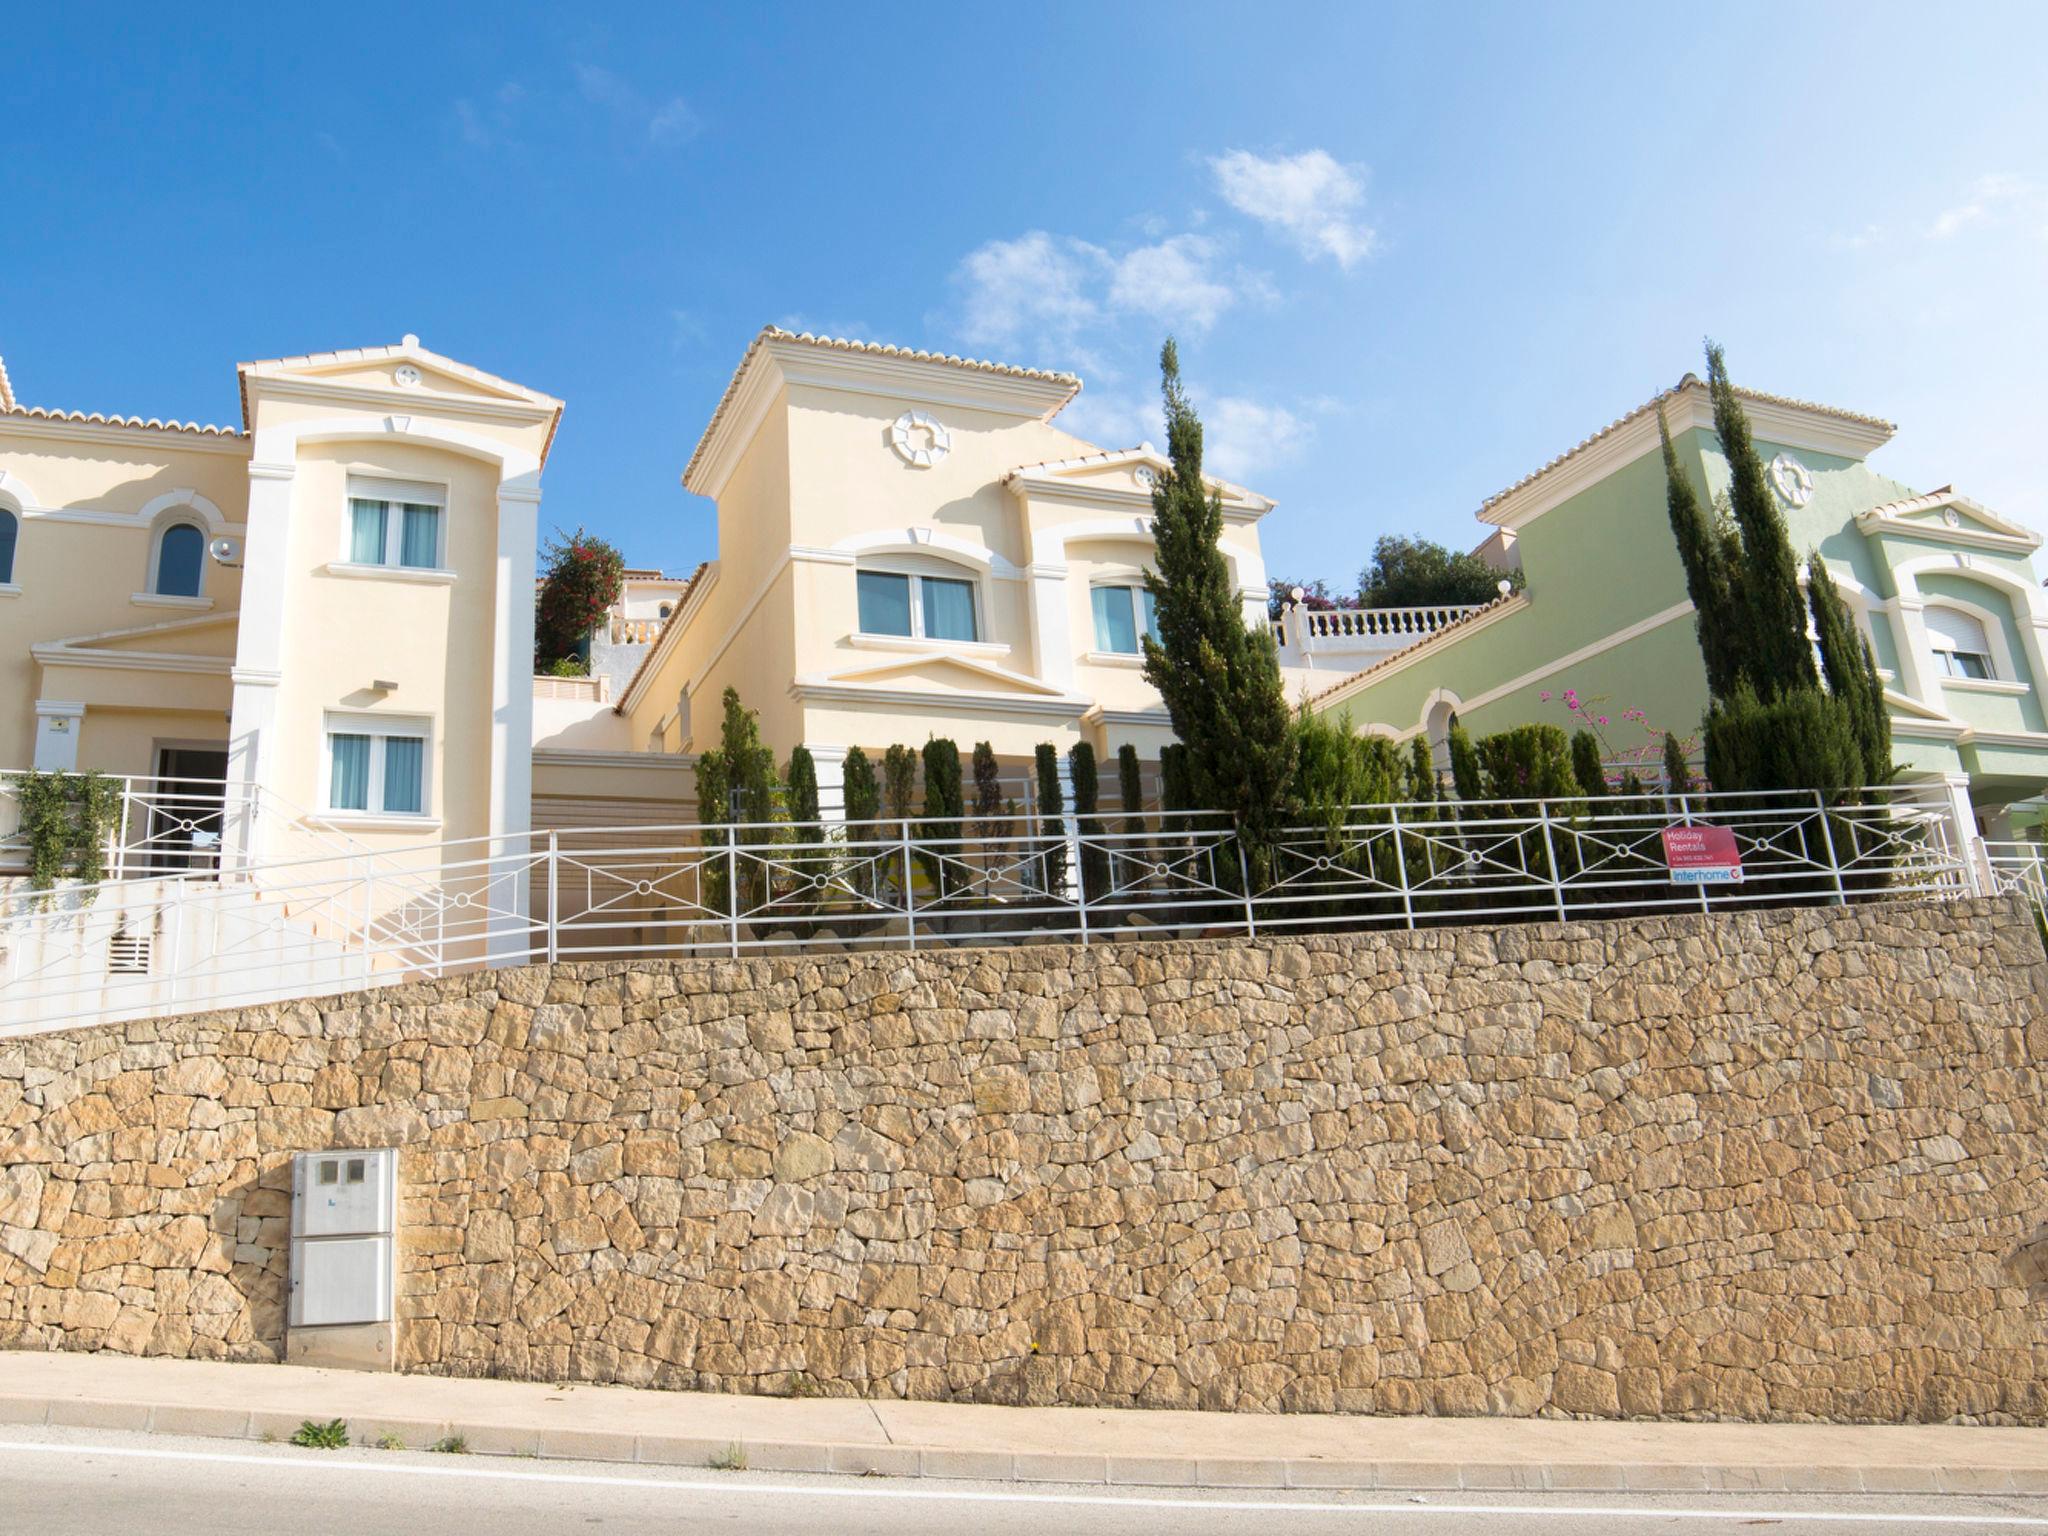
[{"x": 1953, "y": 630}]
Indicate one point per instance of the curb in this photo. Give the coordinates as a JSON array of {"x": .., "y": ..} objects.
[{"x": 1072, "y": 1468}]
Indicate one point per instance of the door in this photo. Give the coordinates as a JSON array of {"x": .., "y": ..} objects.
[{"x": 186, "y": 810}]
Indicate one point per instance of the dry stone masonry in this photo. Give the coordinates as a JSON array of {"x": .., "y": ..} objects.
[{"x": 1773, "y": 1165}]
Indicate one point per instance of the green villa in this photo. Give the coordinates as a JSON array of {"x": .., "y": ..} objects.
[{"x": 1945, "y": 589}]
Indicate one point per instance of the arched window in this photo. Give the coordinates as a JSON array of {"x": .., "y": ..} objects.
[
  {"x": 919, "y": 596},
  {"x": 1961, "y": 647},
  {"x": 665, "y": 610},
  {"x": 1437, "y": 724},
  {"x": 1123, "y": 613},
  {"x": 10, "y": 530},
  {"x": 180, "y": 561}
]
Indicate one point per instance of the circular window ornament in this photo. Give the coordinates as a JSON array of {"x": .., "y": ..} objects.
[
  {"x": 919, "y": 440},
  {"x": 1146, "y": 477},
  {"x": 1952, "y": 517},
  {"x": 407, "y": 376},
  {"x": 1792, "y": 480}
]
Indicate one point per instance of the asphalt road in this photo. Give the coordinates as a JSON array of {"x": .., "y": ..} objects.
[{"x": 74, "y": 1482}]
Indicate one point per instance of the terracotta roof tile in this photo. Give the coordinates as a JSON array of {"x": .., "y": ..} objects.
[{"x": 101, "y": 419}]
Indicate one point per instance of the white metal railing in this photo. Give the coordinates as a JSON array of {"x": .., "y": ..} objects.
[
  {"x": 327, "y": 923},
  {"x": 2021, "y": 867}
]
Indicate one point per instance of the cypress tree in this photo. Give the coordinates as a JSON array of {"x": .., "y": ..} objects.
[
  {"x": 1087, "y": 793},
  {"x": 1420, "y": 787},
  {"x": 1710, "y": 563},
  {"x": 750, "y": 788},
  {"x": 1779, "y": 658},
  {"x": 1173, "y": 778},
  {"x": 899, "y": 779},
  {"x": 1587, "y": 767},
  {"x": 1051, "y": 812},
  {"x": 988, "y": 805},
  {"x": 1678, "y": 778},
  {"x": 863, "y": 794},
  {"x": 1851, "y": 670},
  {"x": 1465, "y": 766},
  {"x": 863, "y": 805},
  {"x": 714, "y": 806},
  {"x": 805, "y": 832},
  {"x": 943, "y": 808},
  {"x": 1130, "y": 783},
  {"x": 1219, "y": 678}
]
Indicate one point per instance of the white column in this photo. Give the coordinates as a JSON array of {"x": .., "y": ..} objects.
[
  {"x": 58, "y": 726},
  {"x": 1052, "y": 631},
  {"x": 511, "y": 791},
  {"x": 831, "y": 766},
  {"x": 1917, "y": 675},
  {"x": 253, "y": 757},
  {"x": 1954, "y": 790}
]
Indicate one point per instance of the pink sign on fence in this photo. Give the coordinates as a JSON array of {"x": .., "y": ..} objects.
[{"x": 1702, "y": 856}]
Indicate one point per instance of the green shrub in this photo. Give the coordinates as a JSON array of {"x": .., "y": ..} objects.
[
  {"x": 899, "y": 781},
  {"x": 1802, "y": 739},
  {"x": 1465, "y": 773},
  {"x": 863, "y": 804},
  {"x": 945, "y": 866},
  {"x": 1052, "y": 858},
  {"x": 331, "y": 1436},
  {"x": 1527, "y": 762},
  {"x": 1588, "y": 771},
  {"x": 1087, "y": 799},
  {"x": 1678, "y": 779}
]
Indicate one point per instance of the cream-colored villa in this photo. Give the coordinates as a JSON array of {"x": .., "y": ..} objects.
[{"x": 908, "y": 546}]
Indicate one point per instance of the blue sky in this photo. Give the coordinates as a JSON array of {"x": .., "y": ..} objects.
[{"x": 1411, "y": 253}]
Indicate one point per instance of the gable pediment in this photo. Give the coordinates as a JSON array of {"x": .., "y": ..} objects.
[{"x": 943, "y": 673}]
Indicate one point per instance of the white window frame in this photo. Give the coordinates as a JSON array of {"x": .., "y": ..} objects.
[
  {"x": 157, "y": 535},
  {"x": 395, "y": 495},
  {"x": 1996, "y": 665},
  {"x": 917, "y": 573},
  {"x": 1135, "y": 583},
  {"x": 379, "y": 728}
]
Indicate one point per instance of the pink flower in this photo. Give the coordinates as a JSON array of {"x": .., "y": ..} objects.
[
  {"x": 1603, "y": 720},
  {"x": 1544, "y": 695}
]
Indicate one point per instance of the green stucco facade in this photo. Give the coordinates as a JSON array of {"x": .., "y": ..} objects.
[{"x": 1605, "y": 610}]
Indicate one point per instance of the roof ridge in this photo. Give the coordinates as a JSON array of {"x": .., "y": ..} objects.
[
  {"x": 1688, "y": 381},
  {"x": 103, "y": 419},
  {"x": 772, "y": 333}
]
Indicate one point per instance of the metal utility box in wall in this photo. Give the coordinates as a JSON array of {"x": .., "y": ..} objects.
[{"x": 344, "y": 1252}]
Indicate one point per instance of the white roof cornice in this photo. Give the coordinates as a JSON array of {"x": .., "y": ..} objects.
[
  {"x": 1773, "y": 418},
  {"x": 777, "y": 358}
]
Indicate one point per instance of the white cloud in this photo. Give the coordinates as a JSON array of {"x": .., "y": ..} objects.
[
  {"x": 1991, "y": 200},
  {"x": 1037, "y": 285},
  {"x": 1114, "y": 420},
  {"x": 1172, "y": 281},
  {"x": 668, "y": 121},
  {"x": 1310, "y": 197},
  {"x": 1242, "y": 437}
]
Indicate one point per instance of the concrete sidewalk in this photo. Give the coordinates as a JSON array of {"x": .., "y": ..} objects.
[{"x": 1054, "y": 1445}]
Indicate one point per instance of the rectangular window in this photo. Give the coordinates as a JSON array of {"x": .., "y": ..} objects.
[
  {"x": 884, "y": 603},
  {"x": 349, "y": 785},
  {"x": 948, "y": 608},
  {"x": 377, "y": 767},
  {"x": 394, "y": 524},
  {"x": 1964, "y": 663},
  {"x": 366, "y": 532},
  {"x": 1122, "y": 614}
]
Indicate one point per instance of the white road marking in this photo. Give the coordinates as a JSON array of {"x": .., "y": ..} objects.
[{"x": 974, "y": 1496}]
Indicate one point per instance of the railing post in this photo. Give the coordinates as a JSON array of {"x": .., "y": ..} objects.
[
  {"x": 1828, "y": 837},
  {"x": 369, "y": 909},
  {"x": 1081, "y": 882},
  {"x": 1550, "y": 858},
  {"x": 732, "y": 894},
  {"x": 554, "y": 887},
  {"x": 1401, "y": 863},
  {"x": 1244, "y": 880},
  {"x": 909, "y": 892}
]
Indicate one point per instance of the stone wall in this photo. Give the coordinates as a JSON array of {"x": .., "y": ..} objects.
[{"x": 1772, "y": 1165}]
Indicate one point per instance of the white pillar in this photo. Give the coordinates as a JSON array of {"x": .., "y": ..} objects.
[
  {"x": 831, "y": 766},
  {"x": 58, "y": 726},
  {"x": 1052, "y": 632},
  {"x": 1918, "y": 677},
  {"x": 511, "y": 790},
  {"x": 253, "y": 758},
  {"x": 1954, "y": 791}
]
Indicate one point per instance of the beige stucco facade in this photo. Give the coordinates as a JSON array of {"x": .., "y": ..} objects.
[
  {"x": 827, "y": 459},
  {"x": 292, "y": 635}
]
